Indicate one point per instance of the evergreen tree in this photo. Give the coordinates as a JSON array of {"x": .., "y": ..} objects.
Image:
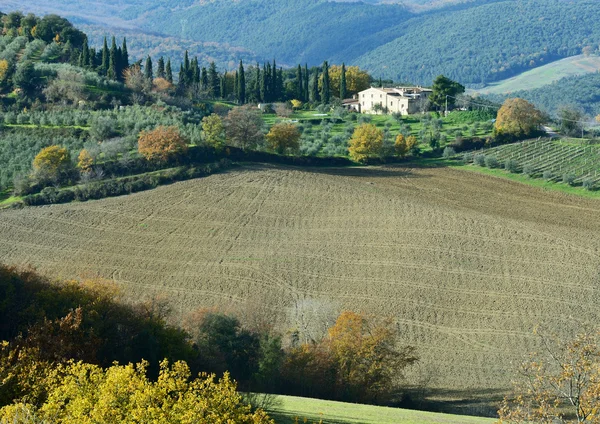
[
  {"x": 343, "y": 82},
  {"x": 169, "y": 72},
  {"x": 194, "y": 74},
  {"x": 314, "y": 97},
  {"x": 160, "y": 68},
  {"x": 92, "y": 60},
  {"x": 85, "y": 55},
  {"x": 273, "y": 81},
  {"x": 257, "y": 83},
  {"x": 279, "y": 85},
  {"x": 105, "y": 59},
  {"x": 241, "y": 84},
  {"x": 213, "y": 80},
  {"x": 299, "y": 84},
  {"x": 112, "y": 61},
  {"x": 148, "y": 69},
  {"x": 223, "y": 85},
  {"x": 124, "y": 55},
  {"x": 264, "y": 86},
  {"x": 182, "y": 83},
  {"x": 119, "y": 66},
  {"x": 306, "y": 87},
  {"x": 186, "y": 63},
  {"x": 325, "y": 93},
  {"x": 204, "y": 79}
]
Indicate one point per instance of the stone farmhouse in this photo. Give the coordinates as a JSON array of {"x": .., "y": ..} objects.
[{"x": 403, "y": 100}]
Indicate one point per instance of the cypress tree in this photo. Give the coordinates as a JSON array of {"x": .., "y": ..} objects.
[
  {"x": 257, "y": 82},
  {"x": 299, "y": 84},
  {"x": 124, "y": 55},
  {"x": 264, "y": 86},
  {"x": 112, "y": 61},
  {"x": 279, "y": 85},
  {"x": 204, "y": 79},
  {"x": 160, "y": 68},
  {"x": 105, "y": 59},
  {"x": 306, "y": 88},
  {"x": 343, "y": 83},
  {"x": 119, "y": 60},
  {"x": 186, "y": 63},
  {"x": 92, "y": 60},
  {"x": 85, "y": 55},
  {"x": 148, "y": 69},
  {"x": 169, "y": 72},
  {"x": 325, "y": 93},
  {"x": 274, "y": 82},
  {"x": 223, "y": 83},
  {"x": 213, "y": 80},
  {"x": 241, "y": 84},
  {"x": 315, "y": 87},
  {"x": 182, "y": 77}
]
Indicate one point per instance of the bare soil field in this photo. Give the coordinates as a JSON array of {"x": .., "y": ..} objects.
[{"x": 467, "y": 264}]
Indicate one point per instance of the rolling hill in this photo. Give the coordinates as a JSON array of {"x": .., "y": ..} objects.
[
  {"x": 475, "y": 42},
  {"x": 467, "y": 265}
]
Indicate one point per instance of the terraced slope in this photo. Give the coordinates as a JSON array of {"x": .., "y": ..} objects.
[{"x": 467, "y": 264}]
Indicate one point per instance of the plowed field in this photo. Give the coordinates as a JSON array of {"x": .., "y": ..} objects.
[{"x": 467, "y": 264}]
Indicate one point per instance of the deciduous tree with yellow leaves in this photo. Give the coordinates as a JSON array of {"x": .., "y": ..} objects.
[
  {"x": 518, "y": 118},
  {"x": 356, "y": 79},
  {"x": 559, "y": 385},
  {"x": 284, "y": 138},
  {"x": 84, "y": 394},
  {"x": 366, "y": 142},
  {"x": 214, "y": 131},
  {"x": 404, "y": 145},
  {"x": 53, "y": 164}
]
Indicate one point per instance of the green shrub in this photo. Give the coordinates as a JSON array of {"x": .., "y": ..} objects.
[
  {"x": 491, "y": 161},
  {"x": 588, "y": 184},
  {"x": 568, "y": 178},
  {"x": 511, "y": 165},
  {"x": 449, "y": 152},
  {"x": 479, "y": 159},
  {"x": 528, "y": 170},
  {"x": 547, "y": 175}
]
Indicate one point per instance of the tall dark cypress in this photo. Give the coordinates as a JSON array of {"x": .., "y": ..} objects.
[
  {"x": 148, "y": 73},
  {"x": 279, "y": 85},
  {"x": 223, "y": 84},
  {"x": 124, "y": 55},
  {"x": 196, "y": 74},
  {"x": 204, "y": 79},
  {"x": 186, "y": 63},
  {"x": 112, "y": 61},
  {"x": 306, "y": 87},
  {"x": 325, "y": 92},
  {"x": 264, "y": 86},
  {"x": 169, "y": 72},
  {"x": 314, "y": 97},
  {"x": 241, "y": 84},
  {"x": 105, "y": 59},
  {"x": 182, "y": 82},
  {"x": 85, "y": 54},
  {"x": 213, "y": 80},
  {"x": 160, "y": 68},
  {"x": 343, "y": 82},
  {"x": 193, "y": 66},
  {"x": 257, "y": 83},
  {"x": 299, "y": 84},
  {"x": 274, "y": 82},
  {"x": 92, "y": 60},
  {"x": 119, "y": 59}
]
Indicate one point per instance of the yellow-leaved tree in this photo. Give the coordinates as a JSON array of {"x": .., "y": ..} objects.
[
  {"x": 161, "y": 143},
  {"x": 214, "y": 131},
  {"x": 84, "y": 161},
  {"x": 52, "y": 164},
  {"x": 366, "y": 142},
  {"x": 3, "y": 70},
  {"x": 404, "y": 145},
  {"x": 296, "y": 104},
  {"x": 284, "y": 138},
  {"x": 80, "y": 393},
  {"x": 559, "y": 385},
  {"x": 356, "y": 79},
  {"x": 518, "y": 118}
]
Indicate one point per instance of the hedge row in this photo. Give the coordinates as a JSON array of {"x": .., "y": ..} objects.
[{"x": 117, "y": 187}]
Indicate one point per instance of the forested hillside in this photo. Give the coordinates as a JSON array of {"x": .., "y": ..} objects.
[
  {"x": 473, "y": 42},
  {"x": 581, "y": 92},
  {"x": 487, "y": 43}
]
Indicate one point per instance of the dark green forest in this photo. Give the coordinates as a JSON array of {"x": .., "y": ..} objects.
[{"x": 579, "y": 92}]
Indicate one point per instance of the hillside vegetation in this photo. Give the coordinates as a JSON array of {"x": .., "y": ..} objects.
[
  {"x": 473, "y": 42},
  {"x": 467, "y": 265},
  {"x": 544, "y": 75}
]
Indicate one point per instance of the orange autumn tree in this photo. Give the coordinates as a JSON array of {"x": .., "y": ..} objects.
[
  {"x": 161, "y": 143},
  {"x": 561, "y": 384},
  {"x": 518, "y": 118}
]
